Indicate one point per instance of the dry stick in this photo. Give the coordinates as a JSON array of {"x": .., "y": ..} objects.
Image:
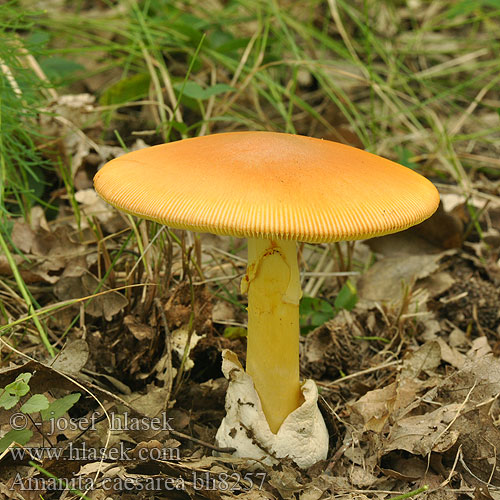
[
  {"x": 218, "y": 278},
  {"x": 187, "y": 347},
  {"x": 332, "y": 4},
  {"x": 494, "y": 464},
  {"x": 337, "y": 456},
  {"x": 492, "y": 162},
  {"x": 465, "y": 466},
  {"x": 143, "y": 231},
  {"x": 202, "y": 443},
  {"x": 227, "y": 254},
  {"x": 244, "y": 57},
  {"x": 143, "y": 102},
  {"x": 388, "y": 492},
  {"x": 143, "y": 253},
  {"x": 453, "y": 467},
  {"x": 332, "y": 274},
  {"x": 256, "y": 68},
  {"x": 476, "y": 319},
  {"x": 358, "y": 374}
]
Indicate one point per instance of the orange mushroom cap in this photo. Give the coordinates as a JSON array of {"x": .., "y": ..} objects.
[{"x": 268, "y": 185}]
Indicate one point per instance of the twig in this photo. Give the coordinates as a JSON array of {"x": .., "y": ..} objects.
[
  {"x": 202, "y": 443},
  {"x": 453, "y": 467},
  {"x": 454, "y": 419},
  {"x": 358, "y": 374}
]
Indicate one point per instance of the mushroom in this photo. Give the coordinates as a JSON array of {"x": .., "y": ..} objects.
[{"x": 274, "y": 189}]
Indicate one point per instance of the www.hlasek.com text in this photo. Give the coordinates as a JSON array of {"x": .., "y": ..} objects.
[{"x": 84, "y": 453}]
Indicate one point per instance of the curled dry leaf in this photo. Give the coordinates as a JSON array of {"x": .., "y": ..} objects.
[
  {"x": 73, "y": 357},
  {"x": 375, "y": 407},
  {"x": 139, "y": 330},
  {"x": 47, "y": 252},
  {"x": 425, "y": 359},
  {"x": 105, "y": 305},
  {"x": 383, "y": 281},
  {"x": 421, "y": 434},
  {"x": 378, "y": 406},
  {"x": 451, "y": 355},
  {"x": 286, "y": 480}
]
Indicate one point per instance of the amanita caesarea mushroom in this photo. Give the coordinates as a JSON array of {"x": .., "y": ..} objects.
[{"x": 274, "y": 189}]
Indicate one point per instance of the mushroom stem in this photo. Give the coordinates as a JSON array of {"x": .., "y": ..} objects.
[{"x": 273, "y": 285}]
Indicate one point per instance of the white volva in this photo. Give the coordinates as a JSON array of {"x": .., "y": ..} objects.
[{"x": 302, "y": 436}]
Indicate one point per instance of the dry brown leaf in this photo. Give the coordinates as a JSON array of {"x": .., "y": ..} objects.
[
  {"x": 287, "y": 480},
  {"x": 480, "y": 442},
  {"x": 73, "y": 357},
  {"x": 178, "y": 341},
  {"x": 139, "y": 330},
  {"x": 47, "y": 253},
  {"x": 438, "y": 283},
  {"x": 361, "y": 477},
  {"x": 451, "y": 355},
  {"x": 425, "y": 359},
  {"x": 422, "y": 434},
  {"x": 384, "y": 281},
  {"x": 376, "y": 406},
  {"x": 152, "y": 403},
  {"x": 480, "y": 347},
  {"x": 105, "y": 305}
]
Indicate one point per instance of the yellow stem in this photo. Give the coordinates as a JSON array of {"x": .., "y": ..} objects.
[{"x": 273, "y": 285}]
